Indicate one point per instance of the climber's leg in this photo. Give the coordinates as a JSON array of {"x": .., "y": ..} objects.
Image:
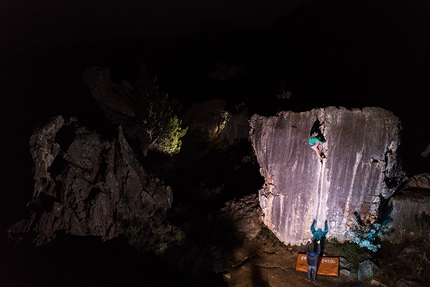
[{"x": 315, "y": 148}]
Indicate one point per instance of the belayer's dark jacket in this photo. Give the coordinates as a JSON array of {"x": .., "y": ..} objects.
[{"x": 312, "y": 260}]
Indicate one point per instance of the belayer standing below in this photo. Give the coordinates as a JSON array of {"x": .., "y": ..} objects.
[
  {"x": 314, "y": 142},
  {"x": 312, "y": 260}
]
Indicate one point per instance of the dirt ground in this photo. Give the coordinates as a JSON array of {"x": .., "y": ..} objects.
[{"x": 264, "y": 263}]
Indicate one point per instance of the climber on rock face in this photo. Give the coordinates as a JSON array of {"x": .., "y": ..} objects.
[
  {"x": 314, "y": 142},
  {"x": 319, "y": 234}
]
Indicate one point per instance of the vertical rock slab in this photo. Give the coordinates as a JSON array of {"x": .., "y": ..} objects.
[{"x": 361, "y": 166}]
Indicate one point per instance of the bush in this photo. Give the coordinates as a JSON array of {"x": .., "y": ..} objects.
[
  {"x": 153, "y": 236},
  {"x": 352, "y": 252},
  {"x": 364, "y": 233},
  {"x": 155, "y": 118},
  {"x": 170, "y": 141}
]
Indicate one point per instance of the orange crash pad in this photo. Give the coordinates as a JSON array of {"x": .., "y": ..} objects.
[{"x": 327, "y": 265}]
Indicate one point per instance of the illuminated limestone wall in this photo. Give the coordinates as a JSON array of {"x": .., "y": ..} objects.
[{"x": 361, "y": 151}]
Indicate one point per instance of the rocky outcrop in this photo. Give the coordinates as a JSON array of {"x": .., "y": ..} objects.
[
  {"x": 409, "y": 209},
  {"x": 205, "y": 121},
  {"x": 416, "y": 182},
  {"x": 361, "y": 168},
  {"x": 243, "y": 217},
  {"x": 86, "y": 185},
  {"x": 113, "y": 99},
  {"x": 209, "y": 120},
  {"x": 237, "y": 128},
  {"x": 426, "y": 151}
]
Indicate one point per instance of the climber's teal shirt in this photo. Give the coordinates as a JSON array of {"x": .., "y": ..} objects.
[{"x": 312, "y": 141}]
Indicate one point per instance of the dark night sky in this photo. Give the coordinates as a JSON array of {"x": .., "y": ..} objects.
[
  {"x": 45, "y": 23},
  {"x": 377, "y": 52}
]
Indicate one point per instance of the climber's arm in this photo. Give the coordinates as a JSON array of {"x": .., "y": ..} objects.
[{"x": 313, "y": 226}]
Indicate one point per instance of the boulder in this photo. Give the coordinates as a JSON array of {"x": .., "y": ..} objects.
[
  {"x": 426, "y": 151},
  {"x": 205, "y": 121},
  {"x": 344, "y": 263},
  {"x": 344, "y": 272},
  {"x": 366, "y": 270},
  {"x": 419, "y": 181},
  {"x": 375, "y": 282},
  {"x": 241, "y": 216},
  {"x": 237, "y": 128},
  {"x": 361, "y": 169},
  {"x": 407, "y": 208},
  {"x": 86, "y": 185}
]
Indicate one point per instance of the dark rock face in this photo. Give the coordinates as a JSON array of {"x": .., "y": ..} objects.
[
  {"x": 408, "y": 206},
  {"x": 85, "y": 185},
  {"x": 116, "y": 102},
  {"x": 237, "y": 128},
  {"x": 361, "y": 168},
  {"x": 205, "y": 121},
  {"x": 113, "y": 99},
  {"x": 242, "y": 215},
  {"x": 209, "y": 120}
]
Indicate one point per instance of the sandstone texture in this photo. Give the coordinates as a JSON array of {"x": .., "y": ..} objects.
[
  {"x": 86, "y": 185},
  {"x": 361, "y": 170}
]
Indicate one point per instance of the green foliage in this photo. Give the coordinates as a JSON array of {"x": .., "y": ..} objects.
[
  {"x": 170, "y": 141},
  {"x": 250, "y": 159},
  {"x": 364, "y": 233},
  {"x": 409, "y": 259},
  {"x": 267, "y": 236},
  {"x": 155, "y": 118},
  {"x": 351, "y": 251},
  {"x": 224, "y": 119},
  {"x": 406, "y": 260},
  {"x": 153, "y": 236},
  {"x": 334, "y": 241}
]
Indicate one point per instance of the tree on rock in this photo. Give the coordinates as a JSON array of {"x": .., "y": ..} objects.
[{"x": 161, "y": 128}]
